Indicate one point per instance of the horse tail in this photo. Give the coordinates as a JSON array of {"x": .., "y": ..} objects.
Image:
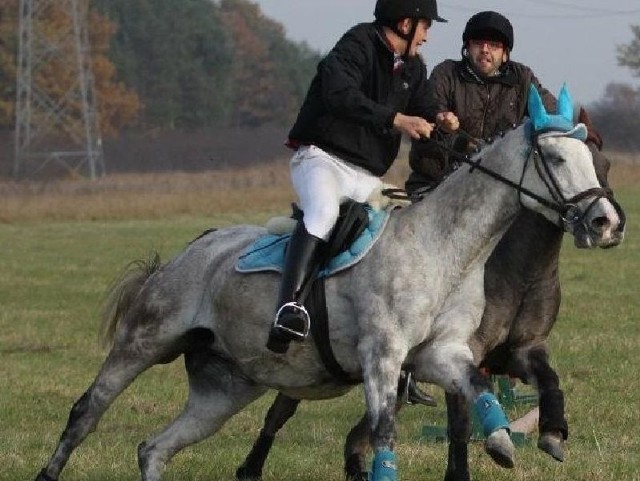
[{"x": 123, "y": 292}]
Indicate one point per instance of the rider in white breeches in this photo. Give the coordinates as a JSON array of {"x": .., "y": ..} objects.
[{"x": 322, "y": 181}]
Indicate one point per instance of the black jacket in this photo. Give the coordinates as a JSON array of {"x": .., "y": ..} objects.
[
  {"x": 354, "y": 96},
  {"x": 484, "y": 106}
]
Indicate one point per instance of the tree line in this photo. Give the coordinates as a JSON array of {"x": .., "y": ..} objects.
[
  {"x": 198, "y": 64},
  {"x": 163, "y": 64},
  {"x": 617, "y": 113}
]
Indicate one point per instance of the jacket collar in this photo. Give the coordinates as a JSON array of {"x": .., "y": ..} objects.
[{"x": 506, "y": 75}]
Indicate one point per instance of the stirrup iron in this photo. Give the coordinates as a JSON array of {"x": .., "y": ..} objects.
[{"x": 297, "y": 309}]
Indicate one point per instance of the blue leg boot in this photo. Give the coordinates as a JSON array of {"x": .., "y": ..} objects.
[{"x": 384, "y": 466}]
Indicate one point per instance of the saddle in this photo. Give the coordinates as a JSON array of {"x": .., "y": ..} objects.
[{"x": 358, "y": 227}]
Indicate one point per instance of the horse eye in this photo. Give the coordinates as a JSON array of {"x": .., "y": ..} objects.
[{"x": 556, "y": 159}]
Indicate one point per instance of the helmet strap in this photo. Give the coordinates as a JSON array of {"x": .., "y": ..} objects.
[{"x": 409, "y": 38}]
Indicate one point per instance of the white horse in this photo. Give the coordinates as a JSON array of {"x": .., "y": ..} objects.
[{"x": 415, "y": 299}]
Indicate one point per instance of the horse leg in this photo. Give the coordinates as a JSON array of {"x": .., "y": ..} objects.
[
  {"x": 451, "y": 367},
  {"x": 357, "y": 444},
  {"x": 282, "y": 409},
  {"x": 355, "y": 450},
  {"x": 492, "y": 417},
  {"x": 552, "y": 426},
  {"x": 120, "y": 368},
  {"x": 380, "y": 385},
  {"x": 449, "y": 362},
  {"x": 217, "y": 391},
  {"x": 459, "y": 431}
]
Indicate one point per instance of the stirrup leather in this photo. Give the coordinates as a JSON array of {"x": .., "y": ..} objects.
[{"x": 297, "y": 309}]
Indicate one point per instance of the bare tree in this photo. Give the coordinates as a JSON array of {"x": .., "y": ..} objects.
[
  {"x": 617, "y": 116},
  {"x": 629, "y": 54}
]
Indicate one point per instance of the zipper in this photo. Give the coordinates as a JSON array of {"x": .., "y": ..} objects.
[{"x": 484, "y": 111}]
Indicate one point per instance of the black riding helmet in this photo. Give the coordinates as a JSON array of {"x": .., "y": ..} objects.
[
  {"x": 489, "y": 26},
  {"x": 389, "y": 12}
]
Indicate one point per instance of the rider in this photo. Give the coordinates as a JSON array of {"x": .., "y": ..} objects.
[
  {"x": 485, "y": 92},
  {"x": 368, "y": 91}
]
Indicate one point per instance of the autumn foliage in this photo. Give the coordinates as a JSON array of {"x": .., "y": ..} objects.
[
  {"x": 57, "y": 73},
  {"x": 162, "y": 64}
]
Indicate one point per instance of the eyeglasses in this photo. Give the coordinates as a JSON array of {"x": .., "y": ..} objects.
[{"x": 491, "y": 44}]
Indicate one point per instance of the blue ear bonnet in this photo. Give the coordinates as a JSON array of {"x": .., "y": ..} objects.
[{"x": 560, "y": 123}]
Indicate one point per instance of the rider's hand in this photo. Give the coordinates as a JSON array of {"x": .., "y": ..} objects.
[
  {"x": 414, "y": 127},
  {"x": 448, "y": 121}
]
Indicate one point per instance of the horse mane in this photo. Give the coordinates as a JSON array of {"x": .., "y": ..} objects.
[{"x": 484, "y": 143}]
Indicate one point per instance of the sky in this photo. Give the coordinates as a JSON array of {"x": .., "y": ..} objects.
[{"x": 572, "y": 41}]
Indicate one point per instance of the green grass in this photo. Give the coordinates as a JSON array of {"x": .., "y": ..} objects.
[{"x": 53, "y": 277}]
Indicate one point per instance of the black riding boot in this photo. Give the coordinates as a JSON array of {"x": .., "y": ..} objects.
[
  {"x": 292, "y": 320},
  {"x": 409, "y": 391},
  {"x": 416, "y": 396}
]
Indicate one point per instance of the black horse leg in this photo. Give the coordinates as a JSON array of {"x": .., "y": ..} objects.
[
  {"x": 459, "y": 432},
  {"x": 282, "y": 409},
  {"x": 552, "y": 425},
  {"x": 497, "y": 444},
  {"x": 355, "y": 451}
]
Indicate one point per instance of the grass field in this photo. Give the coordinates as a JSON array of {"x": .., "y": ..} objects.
[{"x": 64, "y": 242}]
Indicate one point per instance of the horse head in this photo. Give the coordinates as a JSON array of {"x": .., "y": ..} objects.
[
  {"x": 602, "y": 164},
  {"x": 563, "y": 172}
]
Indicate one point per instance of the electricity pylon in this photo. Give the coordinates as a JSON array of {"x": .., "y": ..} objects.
[{"x": 56, "y": 123}]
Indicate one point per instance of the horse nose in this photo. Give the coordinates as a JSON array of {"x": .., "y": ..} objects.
[
  {"x": 600, "y": 223},
  {"x": 604, "y": 221}
]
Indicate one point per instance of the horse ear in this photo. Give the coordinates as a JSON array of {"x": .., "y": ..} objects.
[
  {"x": 537, "y": 112},
  {"x": 592, "y": 133},
  {"x": 565, "y": 104},
  {"x": 584, "y": 118}
]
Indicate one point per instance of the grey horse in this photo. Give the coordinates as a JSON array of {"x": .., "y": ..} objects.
[
  {"x": 382, "y": 317},
  {"x": 522, "y": 289}
]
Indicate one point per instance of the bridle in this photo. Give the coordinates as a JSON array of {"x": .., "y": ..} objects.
[
  {"x": 567, "y": 209},
  {"x": 570, "y": 215}
]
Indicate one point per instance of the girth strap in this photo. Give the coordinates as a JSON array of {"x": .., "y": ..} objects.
[
  {"x": 353, "y": 220},
  {"x": 316, "y": 305}
]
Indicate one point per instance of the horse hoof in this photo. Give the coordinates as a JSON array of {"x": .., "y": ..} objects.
[
  {"x": 150, "y": 468},
  {"x": 243, "y": 474},
  {"x": 457, "y": 476},
  {"x": 553, "y": 445},
  {"x": 499, "y": 446},
  {"x": 43, "y": 476},
  {"x": 359, "y": 476},
  {"x": 354, "y": 468}
]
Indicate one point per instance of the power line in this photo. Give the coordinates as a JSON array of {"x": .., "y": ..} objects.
[
  {"x": 581, "y": 8},
  {"x": 592, "y": 12}
]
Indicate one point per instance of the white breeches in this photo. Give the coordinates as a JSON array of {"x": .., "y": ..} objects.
[{"x": 322, "y": 182}]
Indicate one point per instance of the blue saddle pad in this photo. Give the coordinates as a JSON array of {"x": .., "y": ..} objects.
[{"x": 267, "y": 252}]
